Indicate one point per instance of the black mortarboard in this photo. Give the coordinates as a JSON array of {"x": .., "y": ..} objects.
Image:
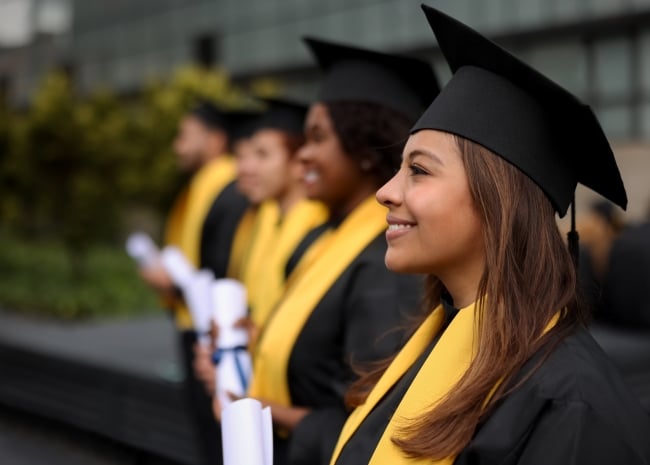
[
  {"x": 353, "y": 74},
  {"x": 499, "y": 102},
  {"x": 242, "y": 123},
  {"x": 210, "y": 115},
  {"x": 284, "y": 115}
]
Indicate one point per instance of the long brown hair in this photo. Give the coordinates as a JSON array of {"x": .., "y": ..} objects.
[{"x": 528, "y": 278}]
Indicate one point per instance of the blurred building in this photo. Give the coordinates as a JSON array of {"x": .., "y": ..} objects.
[
  {"x": 598, "y": 49},
  {"x": 33, "y": 39}
]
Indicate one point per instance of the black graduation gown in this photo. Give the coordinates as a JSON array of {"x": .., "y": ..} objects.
[
  {"x": 346, "y": 321},
  {"x": 217, "y": 236},
  {"x": 219, "y": 229},
  {"x": 574, "y": 410},
  {"x": 627, "y": 281}
]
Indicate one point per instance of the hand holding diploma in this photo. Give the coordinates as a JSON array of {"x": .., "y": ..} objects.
[
  {"x": 231, "y": 355},
  {"x": 198, "y": 297},
  {"x": 143, "y": 250},
  {"x": 175, "y": 263}
]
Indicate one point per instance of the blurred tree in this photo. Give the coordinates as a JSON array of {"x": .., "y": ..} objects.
[{"x": 70, "y": 168}]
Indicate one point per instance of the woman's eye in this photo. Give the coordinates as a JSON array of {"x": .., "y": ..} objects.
[{"x": 416, "y": 170}]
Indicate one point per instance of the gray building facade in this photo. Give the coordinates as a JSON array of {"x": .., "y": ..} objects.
[{"x": 598, "y": 49}]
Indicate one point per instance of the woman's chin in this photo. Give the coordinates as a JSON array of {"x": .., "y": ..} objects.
[{"x": 396, "y": 265}]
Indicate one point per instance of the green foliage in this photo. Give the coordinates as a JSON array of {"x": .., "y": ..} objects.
[
  {"x": 38, "y": 277},
  {"x": 73, "y": 169},
  {"x": 72, "y": 165}
]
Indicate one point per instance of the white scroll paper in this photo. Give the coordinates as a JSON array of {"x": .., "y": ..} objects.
[
  {"x": 142, "y": 249},
  {"x": 179, "y": 269},
  {"x": 247, "y": 433},
  {"x": 234, "y": 363},
  {"x": 198, "y": 297}
]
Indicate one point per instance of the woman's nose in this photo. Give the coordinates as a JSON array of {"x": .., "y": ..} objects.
[
  {"x": 304, "y": 153},
  {"x": 389, "y": 193}
]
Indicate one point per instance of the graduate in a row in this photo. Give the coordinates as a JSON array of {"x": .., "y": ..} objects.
[
  {"x": 285, "y": 214},
  {"x": 502, "y": 370},
  {"x": 278, "y": 218},
  {"x": 341, "y": 308},
  {"x": 201, "y": 224}
]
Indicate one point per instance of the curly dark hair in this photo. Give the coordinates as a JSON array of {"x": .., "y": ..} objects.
[{"x": 372, "y": 132}]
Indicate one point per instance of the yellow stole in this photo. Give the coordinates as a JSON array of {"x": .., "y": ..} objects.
[
  {"x": 241, "y": 243},
  {"x": 448, "y": 361},
  {"x": 442, "y": 369},
  {"x": 266, "y": 270},
  {"x": 266, "y": 222},
  {"x": 308, "y": 286},
  {"x": 187, "y": 216}
]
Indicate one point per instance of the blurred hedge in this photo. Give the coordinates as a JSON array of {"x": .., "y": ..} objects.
[
  {"x": 39, "y": 278},
  {"x": 72, "y": 173}
]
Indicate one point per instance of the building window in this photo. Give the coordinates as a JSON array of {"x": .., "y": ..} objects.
[
  {"x": 612, "y": 68},
  {"x": 615, "y": 88}
]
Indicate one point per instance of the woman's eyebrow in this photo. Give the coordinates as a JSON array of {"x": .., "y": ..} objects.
[{"x": 422, "y": 152}]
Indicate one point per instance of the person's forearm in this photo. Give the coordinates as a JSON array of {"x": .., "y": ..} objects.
[{"x": 286, "y": 417}]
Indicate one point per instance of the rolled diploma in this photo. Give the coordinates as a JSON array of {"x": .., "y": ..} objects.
[
  {"x": 142, "y": 249},
  {"x": 198, "y": 296},
  {"x": 229, "y": 305},
  {"x": 247, "y": 433},
  {"x": 180, "y": 270}
]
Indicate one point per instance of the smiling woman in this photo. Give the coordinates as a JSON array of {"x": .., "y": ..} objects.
[
  {"x": 503, "y": 370},
  {"x": 434, "y": 223},
  {"x": 351, "y": 150},
  {"x": 341, "y": 308},
  {"x": 286, "y": 215}
]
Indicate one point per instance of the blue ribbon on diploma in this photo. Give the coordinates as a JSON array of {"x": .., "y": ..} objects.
[{"x": 218, "y": 354}]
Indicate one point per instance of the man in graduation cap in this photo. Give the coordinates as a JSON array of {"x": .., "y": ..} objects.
[
  {"x": 503, "y": 370},
  {"x": 201, "y": 224}
]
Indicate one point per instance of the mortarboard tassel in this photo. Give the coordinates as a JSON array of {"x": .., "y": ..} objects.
[{"x": 572, "y": 236}]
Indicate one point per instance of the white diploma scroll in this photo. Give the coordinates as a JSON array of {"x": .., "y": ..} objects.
[
  {"x": 232, "y": 358},
  {"x": 179, "y": 269},
  {"x": 198, "y": 296},
  {"x": 142, "y": 249},
  {"x": 247, "y": 433}
]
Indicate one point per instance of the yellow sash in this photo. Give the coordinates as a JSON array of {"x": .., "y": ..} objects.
[
  {"x": 307, "y": 288},
  {"x": 187, "y": 216},
  {"x": 241, "y": 243},
  {"x": 266, "y": 275},
  {"x": 268, "y": 216},
  {"x": 442, "y": 369},
  {"x": 448, "y": 360}
]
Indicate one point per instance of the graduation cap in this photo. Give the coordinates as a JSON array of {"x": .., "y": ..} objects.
[
  {"x": 208, "y": 113},
  {"x": 242, "y": 123},
  {"x": 501, "y": 103},
  {"x": 285, "y": 115},
  {"x": 353, "y": 74}
]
